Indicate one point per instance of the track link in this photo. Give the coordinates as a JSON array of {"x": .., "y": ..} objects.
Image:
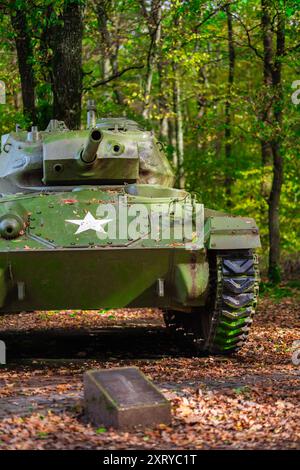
[{"x": 235, "y": 303}]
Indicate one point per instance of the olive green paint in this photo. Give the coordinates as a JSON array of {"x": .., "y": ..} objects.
[{"x": 45, "y": 182}]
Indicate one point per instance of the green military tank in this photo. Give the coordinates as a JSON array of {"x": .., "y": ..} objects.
[{"x": 89, "y": 219}]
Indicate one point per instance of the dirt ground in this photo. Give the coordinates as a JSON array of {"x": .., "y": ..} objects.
[{"x": 249, "y": 401}]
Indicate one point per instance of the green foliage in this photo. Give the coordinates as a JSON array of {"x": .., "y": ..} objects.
[
  {"x": 277, "y": 292},
  {"x": 103, "y": 311},
  {"x": 101, "y": 430},
  {"x": 194, "y": 43}
]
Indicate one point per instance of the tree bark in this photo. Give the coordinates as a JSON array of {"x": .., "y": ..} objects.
[
  {"x": 274, "y": 199},
  {"x": 228, "y": 131},
  {"x": 178, "y": 129},
  {"x": 153, "y": 19},
  {"x": 274, "y": 226},
  {"x": 66, "y": 39},
  {"x": 25, "y": 61},
  {"x": 172, "y": 141},
  {"x": 266, "y": 149},
  {"x": 272, "y": 114},
  {"x": 162, "y": 101},
  {"x": 102, "y": 8},
  {"x": 109, "y": 44}
]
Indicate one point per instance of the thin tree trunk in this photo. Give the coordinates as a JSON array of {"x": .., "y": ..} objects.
[
  {"x": 201, "y": 99},
  {"x": 266, "y": 150},
  {"x": 102, "y": 7},
  {"x": 266, "y": 153},
  {"x": 67, "y": 64},
  {"x": 115, "y": 68},
  {"x": 154, "y": 27},
  {"x": 25, "y": 56},
  {"x": 44, "y": 95},
  {"x": 228, "y": 131},
  {"x": 172, "y": 141},
  {"x": 162, "y": 102},
  {"x": 274, "y": 203},
  {"x": 178, "y": 128},
  {"x": 274, "y": 199},
  {"x": 109, "y": 45}
]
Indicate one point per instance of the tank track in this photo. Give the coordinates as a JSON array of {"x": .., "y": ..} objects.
[{"x": 222, "y": 326}]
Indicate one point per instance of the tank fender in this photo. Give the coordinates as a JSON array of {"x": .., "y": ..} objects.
[
  {"x": 191, "y": 281},
  {"x": 226, "y": 233}
]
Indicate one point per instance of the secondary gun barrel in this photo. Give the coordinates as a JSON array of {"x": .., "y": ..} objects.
[{"x": 89, "y": 152}]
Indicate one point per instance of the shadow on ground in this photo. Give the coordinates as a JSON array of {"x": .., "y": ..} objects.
[{"x": 103, "y": 343}]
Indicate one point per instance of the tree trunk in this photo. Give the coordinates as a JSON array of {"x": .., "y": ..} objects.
[
  {"x": 25, "y": 60},
  {"x": 66, "y": 42},
  {"x": 178, "y": 129},
  {"x": 266, "y": 149},
  {"x": 162, "y": 102},
  {"x": 273, "y": 203},
  {"x": 274, "y": 199},
  {"x": 154, "y": 27},
  {"x": 102, "y": 7},
  {"x": 172, "y": 141},
  {"x": 110, "y": 44},
  {"x": 115, "y": 68},
  {"x": 266, "y": 153},
  {"x": 228, "y": 132}
]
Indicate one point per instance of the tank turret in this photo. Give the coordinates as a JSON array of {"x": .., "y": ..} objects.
[{"x": 108, "y": 151}]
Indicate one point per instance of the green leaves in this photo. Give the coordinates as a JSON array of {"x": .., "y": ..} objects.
[
  {"x": 194, "y": 40},
  {"x": 101, "y": 430}
]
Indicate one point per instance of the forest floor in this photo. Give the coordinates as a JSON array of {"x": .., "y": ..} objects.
[{"x": 248, "y": 401}]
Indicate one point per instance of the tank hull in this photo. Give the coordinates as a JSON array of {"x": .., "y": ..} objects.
[
  {"x": 94, "y": 278},
  {"x": 60, "y": 260}
]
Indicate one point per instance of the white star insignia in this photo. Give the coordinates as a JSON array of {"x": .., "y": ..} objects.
[{"x": 89, "y": 223}]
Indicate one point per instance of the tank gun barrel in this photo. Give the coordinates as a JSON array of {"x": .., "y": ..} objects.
[{"x": 88, "y": 154}]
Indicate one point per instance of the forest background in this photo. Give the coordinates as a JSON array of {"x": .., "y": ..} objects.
[{"x": 218, "y": 81}]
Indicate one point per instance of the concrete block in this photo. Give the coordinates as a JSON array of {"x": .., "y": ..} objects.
[{"x": 123, "y": 398}]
